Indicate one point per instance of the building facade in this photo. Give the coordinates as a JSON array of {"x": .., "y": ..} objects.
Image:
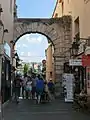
[
  {"x": 6, "y": 35},
  {"x": 61, "y": 10},
  {"x": 7, "y": 18},
  {"x": 79, "y": 11},
  {"x": 50, "y": 71}
]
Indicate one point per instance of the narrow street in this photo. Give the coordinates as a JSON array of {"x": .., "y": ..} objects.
[
  {"x": 57, "y": 110},
  {"x": 45, "y": 51}
]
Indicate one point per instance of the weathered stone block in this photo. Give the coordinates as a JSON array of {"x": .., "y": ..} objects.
[{"x": 58, "y": 30}]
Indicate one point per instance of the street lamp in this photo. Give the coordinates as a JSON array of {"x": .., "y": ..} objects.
[{"x": 74, "y": 49}]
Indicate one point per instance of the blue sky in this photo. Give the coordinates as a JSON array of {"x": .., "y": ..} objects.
[
  {"x": 32, "y": 47},
  {"x": 36, "y": 8}
]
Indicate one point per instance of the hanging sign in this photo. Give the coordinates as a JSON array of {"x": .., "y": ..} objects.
[
  {"x": 68, "y": 80},
  {"x": 75, "y": 62},
  {"x": 86, "y": 60}
]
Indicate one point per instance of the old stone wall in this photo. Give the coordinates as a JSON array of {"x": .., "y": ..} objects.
[{"x": 57, "y": 30}]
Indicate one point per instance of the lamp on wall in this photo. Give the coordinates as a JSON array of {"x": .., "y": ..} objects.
[{"x": 74, "y": 49}]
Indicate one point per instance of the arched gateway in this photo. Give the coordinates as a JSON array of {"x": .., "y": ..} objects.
[{"x": 57, "y": 30}]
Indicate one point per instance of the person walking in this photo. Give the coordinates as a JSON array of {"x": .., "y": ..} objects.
[
  {"x": 51, "y": 87},
  {"x": 39, "y": 88},
  {"x": 46, "y": 92},
  {"x": 28, "y": 88},
  {"x": 24, "y": 85},
  {"x": 34, "y": 79},
  {"x": 17, "y": 86}
]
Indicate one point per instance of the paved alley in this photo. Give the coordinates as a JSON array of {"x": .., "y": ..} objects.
[{"x": 28, "y": 110}]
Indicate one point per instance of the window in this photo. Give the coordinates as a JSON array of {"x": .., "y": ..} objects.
[
  {"x": 76, "y": 23},
  {"x": 86, "y": 1},
  {"x": 68, "y": 1},
  {"x": 56, "y": 15},
  {"x": 60, "y": 1}
]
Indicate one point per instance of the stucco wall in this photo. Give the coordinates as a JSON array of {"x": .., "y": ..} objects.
[
  {"x": 77, "y": 8},
  {"x": 7, "y": 18},
  {"x": 48, "y": 62},
  {"x": 81, "y": 9},
  {"x": 57, "y": 9}
]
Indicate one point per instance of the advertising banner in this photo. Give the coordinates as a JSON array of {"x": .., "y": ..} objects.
[
  {"x": 86, "y": 60},
  {"x": 68, "y": 84}
]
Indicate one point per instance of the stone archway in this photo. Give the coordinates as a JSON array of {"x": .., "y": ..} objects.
[{"x": 57, "y": 30}]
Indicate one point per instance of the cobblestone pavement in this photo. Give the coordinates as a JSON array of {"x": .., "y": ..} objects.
[{"x": 28, "y": 110}]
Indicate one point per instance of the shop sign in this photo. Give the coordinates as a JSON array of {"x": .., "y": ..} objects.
[
  {"x": 75, "y": 62},
  {"x": 7, "y": 49},
  {"x": 86, "y": 60}
]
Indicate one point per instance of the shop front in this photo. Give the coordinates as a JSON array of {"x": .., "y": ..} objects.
[
  {"x": 86, "y": 64},
  {"x": 6, "y": 74},
  {"x": 79, "y": 74}
]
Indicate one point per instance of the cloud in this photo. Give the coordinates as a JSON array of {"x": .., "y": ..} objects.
[
  {"x": 24, "y": 45},
  {"x": 21, "y": 45},
  {"x": 18, "y": 46},
  {"x": 32, "y": 40},
  {"x": 40, "y": 38},
  {"x": 22, "y": 53},
  {"x": 29, "y": 54},
  {"x": 35, "y": 40},
  {"x": 26, "y": 50}
]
